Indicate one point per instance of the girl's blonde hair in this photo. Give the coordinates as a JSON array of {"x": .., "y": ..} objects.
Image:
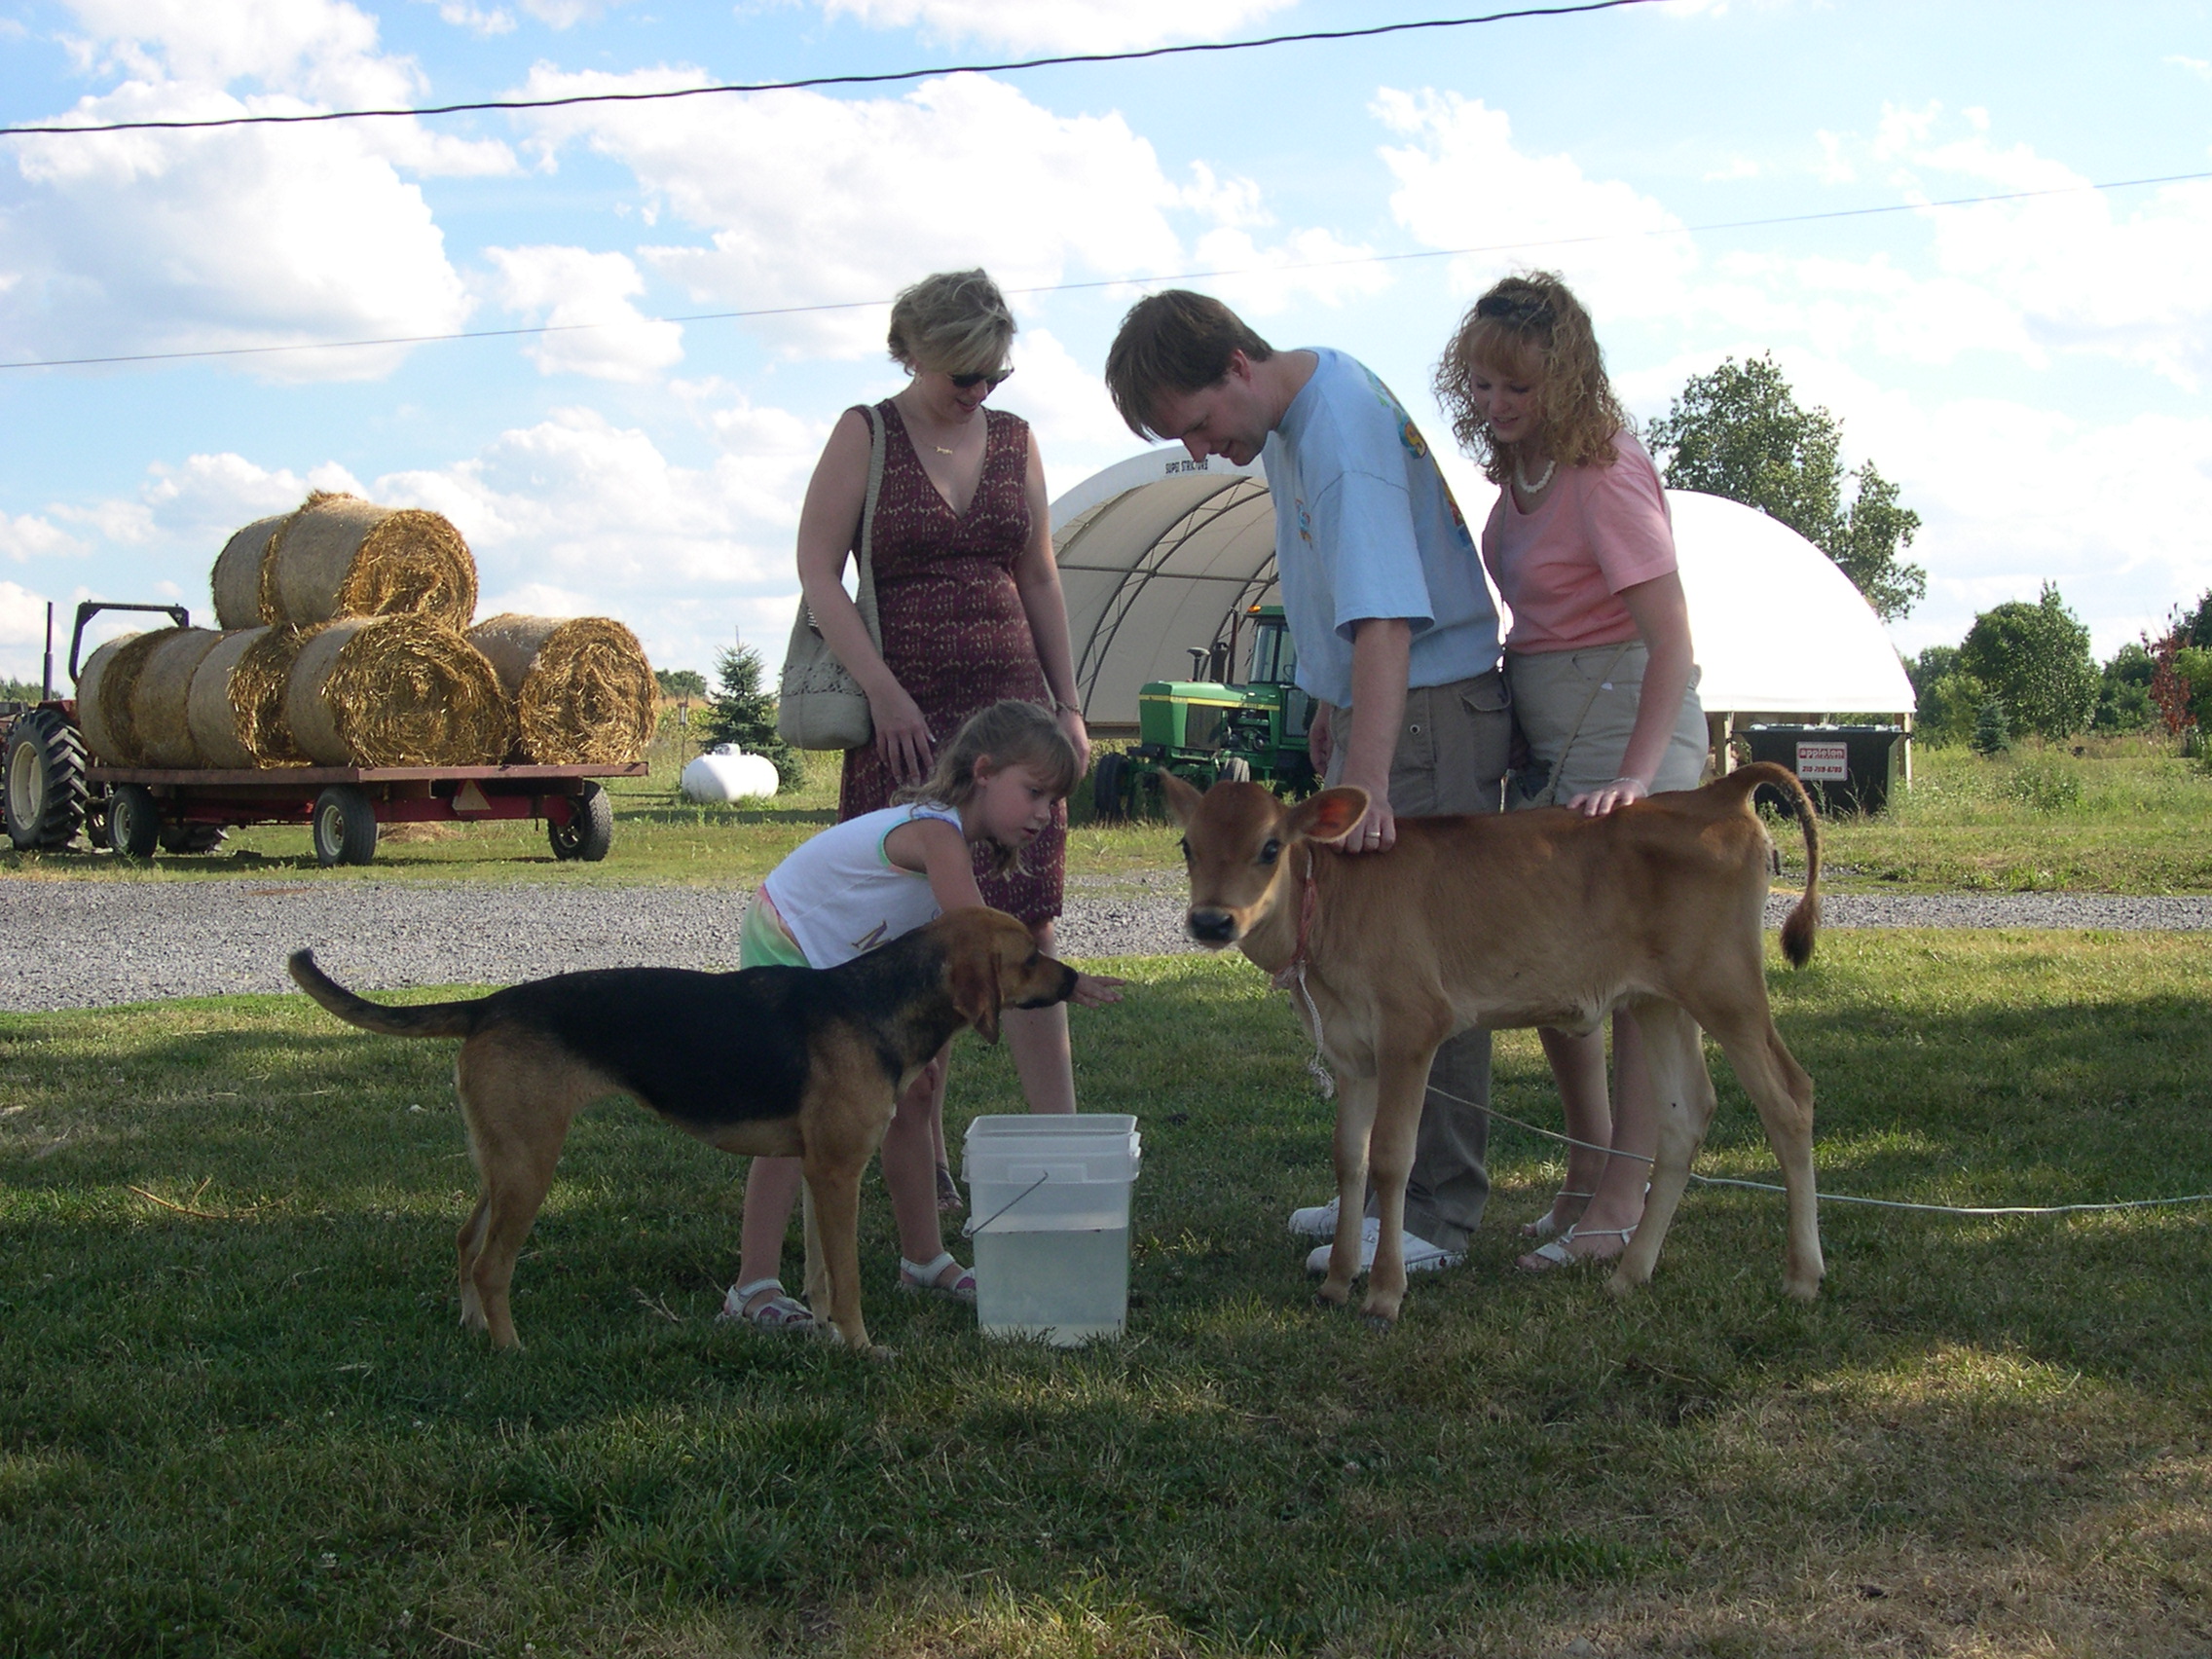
[
  {"x": 1012, "y": 733},
  {"x": 1531, "y": 328},
  {"x": 956, "y": 321}
]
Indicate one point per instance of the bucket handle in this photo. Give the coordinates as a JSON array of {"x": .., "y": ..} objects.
[{"x": 969, "y": 1227}]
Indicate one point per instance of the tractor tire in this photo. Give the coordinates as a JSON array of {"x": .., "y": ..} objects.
[
  {"x": 590, "y": 830},
  {"x": 193, "y": 838},
  {"x": 43, "y": 796},
  {"x": 133, "y": 821},
  {"x": 344, "y": 826},
  {"x": 1109, "y": 787},
  {"x": 1235, "y": 770}
]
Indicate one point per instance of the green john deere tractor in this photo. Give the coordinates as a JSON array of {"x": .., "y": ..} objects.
[{"x": 1204, "y": 731}]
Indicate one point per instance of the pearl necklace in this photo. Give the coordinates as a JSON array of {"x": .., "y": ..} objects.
[{"x": 1534, "y": 486}]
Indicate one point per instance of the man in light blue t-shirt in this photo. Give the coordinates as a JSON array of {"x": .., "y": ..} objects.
[{"x": 1396, "y": 631}]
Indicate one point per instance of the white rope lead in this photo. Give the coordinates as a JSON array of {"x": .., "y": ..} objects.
[
  {"x": 1827, "y": 1197},
  {"x": 1328, "y": 1084}
]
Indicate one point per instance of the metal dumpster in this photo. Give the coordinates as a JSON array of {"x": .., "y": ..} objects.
[{"x": 1844, "y": 768}]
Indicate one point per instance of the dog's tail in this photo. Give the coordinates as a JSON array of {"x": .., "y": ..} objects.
[
  {"x": 1803, "y": 922},
  {"x": 426, "y": 1020}
]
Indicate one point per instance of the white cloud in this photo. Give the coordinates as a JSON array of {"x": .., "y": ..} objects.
[
  {"x": 144, "y": 242},
  {"x": 22, "y": 630},
  {"x": 478, "y": 21},
  {"x": 808, "y": 199},
  {"x": 26, "y": 537},
  {"x": 567, "y": 14},
  {"x": 1462, "y": 183},
  {"x": 2126, "y": 276},
  {"x": 573, "y": 288},
  {"x": 1059, "y": 25},
  {"x": 2196, "y": 67}
]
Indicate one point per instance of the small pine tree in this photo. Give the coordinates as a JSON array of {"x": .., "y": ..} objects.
[
  {"x": 1991, "y": 734},
  {"x": 743, "y": 714}
]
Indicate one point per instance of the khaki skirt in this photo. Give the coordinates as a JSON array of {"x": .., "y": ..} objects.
[{"x": 1577, "y": 711}]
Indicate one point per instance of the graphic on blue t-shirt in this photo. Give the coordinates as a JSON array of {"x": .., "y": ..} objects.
[{"x": 1304, "y": 520}]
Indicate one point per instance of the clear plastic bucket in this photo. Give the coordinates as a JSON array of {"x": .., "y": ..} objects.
[{"x": 1049, "y": 1197}]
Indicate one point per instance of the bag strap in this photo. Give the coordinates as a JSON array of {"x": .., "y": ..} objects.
[
  {"x": 1604, "y": 678},
  {"x": 864, "y": 596}
]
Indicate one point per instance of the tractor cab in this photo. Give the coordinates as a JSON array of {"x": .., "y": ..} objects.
[{"x": 1206, "y": 728}]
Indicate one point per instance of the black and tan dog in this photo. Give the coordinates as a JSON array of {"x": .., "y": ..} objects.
[{"x": 778, "y": 1061}]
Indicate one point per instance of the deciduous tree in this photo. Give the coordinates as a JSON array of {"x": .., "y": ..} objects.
[
  {"x": 1740, "y": 432},
  {"x": 2035, "y": 657}
]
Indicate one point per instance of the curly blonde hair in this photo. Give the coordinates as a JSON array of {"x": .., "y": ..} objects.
[
  {"x": 956, "y": 321},
  {"x": 1531, "y": 328}
]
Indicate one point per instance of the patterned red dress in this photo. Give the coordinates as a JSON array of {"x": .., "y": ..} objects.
[{"x": 954, "y": 632}]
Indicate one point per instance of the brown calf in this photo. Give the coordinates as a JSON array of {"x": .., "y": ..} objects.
[{"x": 1522, "y": 918}]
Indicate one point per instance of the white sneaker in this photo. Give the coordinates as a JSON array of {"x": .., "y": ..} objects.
[
  {"x": 1319, "y": 1221},
  {"x": 1422, "y": 1257}
]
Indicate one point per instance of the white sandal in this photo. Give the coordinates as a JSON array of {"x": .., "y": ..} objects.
[
  {"x": 1556, "y": 1254},
  {"x": 1543, "y": 1227},
  {"x": 777, "y": 1312},
  {"x": 920, "y": 1279}
]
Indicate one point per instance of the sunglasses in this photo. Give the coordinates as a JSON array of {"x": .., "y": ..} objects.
[
  {"x": 1519, "y": 308},
  {"x": 989, "y": 381}
]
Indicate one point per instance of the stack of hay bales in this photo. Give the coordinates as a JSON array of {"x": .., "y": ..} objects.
[{"x": 342, "y": 644}]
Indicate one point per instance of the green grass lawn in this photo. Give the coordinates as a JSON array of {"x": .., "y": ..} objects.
[
  {"x": 255, "y": 1429},
  {"x": 2127, "y": 819}
]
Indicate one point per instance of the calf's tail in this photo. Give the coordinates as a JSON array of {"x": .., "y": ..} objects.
[
  {"x": 426, "y": 1020},
  {"x": 1803, "y": 922}
]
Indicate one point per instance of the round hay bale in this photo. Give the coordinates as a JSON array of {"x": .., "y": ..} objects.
[
  {"x": 159, "y": 695},
  {"x": 584, "y": 692},
  {"x": 395, "y": 692},
  {"x": 237, "y": 576},
  {"x": 104, "y": 697},
  {"x": 339, "y": 555},
  {"x": 237, "y": 704}
]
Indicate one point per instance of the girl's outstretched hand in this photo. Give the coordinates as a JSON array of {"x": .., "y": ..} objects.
[{"x": 1097, "y": 990}]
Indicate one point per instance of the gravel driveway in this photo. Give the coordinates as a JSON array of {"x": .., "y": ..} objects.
[{"x": 92, "y": 943}]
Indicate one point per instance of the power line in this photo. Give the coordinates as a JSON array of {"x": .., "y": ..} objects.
[
  {"x": 58, "y": 131},
  {"x": 1127, "y": 282}
]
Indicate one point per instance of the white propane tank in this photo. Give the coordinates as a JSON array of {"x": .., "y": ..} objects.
[{"x": 728, "y": 773}]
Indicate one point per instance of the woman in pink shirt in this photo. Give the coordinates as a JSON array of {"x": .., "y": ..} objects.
[{"x": 1599, "y": 658}]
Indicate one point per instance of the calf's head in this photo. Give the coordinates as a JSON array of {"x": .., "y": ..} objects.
[{"x": 1233, "y": 839}]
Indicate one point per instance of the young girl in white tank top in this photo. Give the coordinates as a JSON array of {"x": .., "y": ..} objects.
[{"x": 862, "y": 884}]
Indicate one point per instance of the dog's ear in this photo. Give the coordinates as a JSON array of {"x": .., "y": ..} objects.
[
  {"x": 974, "y": 976},
  {"x": 1182, "y": 799},
  {"x": 1329, "y": 816}
]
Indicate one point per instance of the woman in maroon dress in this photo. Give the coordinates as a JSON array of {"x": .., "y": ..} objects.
[{"x": 968, "y": 596}]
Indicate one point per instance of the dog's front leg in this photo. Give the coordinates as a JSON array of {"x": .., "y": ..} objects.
[
  {"x": 1355, "y": 1121},
  {"x": 1401, "y": 1088}
]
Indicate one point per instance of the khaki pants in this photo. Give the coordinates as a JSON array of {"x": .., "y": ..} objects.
[{"x": 1453, "y": 748}]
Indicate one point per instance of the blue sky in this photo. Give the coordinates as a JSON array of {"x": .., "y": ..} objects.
[{"x": 2031, "y": 373}]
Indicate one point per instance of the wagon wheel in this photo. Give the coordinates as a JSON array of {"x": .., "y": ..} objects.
[
  {"x": 1108, "y": 784},
  {"x": 344, "y": 826},
  {"x": 193, "y": 838},
  {"x": 44, "y": 769},
  {"x": 590, "y": 830},
  {"x": 133, "y": 821}
]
